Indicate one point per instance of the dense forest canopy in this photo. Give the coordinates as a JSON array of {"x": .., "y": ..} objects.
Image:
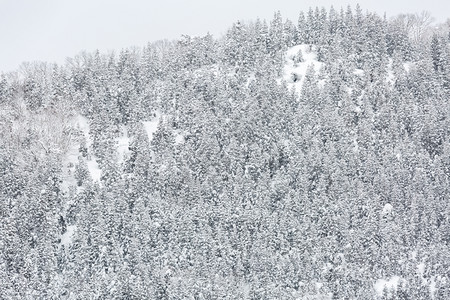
[{"x": 288, "y": 159}]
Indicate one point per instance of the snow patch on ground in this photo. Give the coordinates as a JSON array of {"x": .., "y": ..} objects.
[
  {"x": 123, "y": 144},
  {"x": 92, "y": 164},
  {"x": 66, "y": 238},
  {"x": 68, "y": 166},
  {"x": 390, "y": 284},
  {"x": 179, "y": 137},
  {"x": 387, "y": 209},
  {"x": 355, "y": 145},
  {"x": 73, "y": 153},
  {"x": 358, "y": 72},
  {"x": 94, "y": 170},
  {"x": 390, "y": 77},
  {"x": 433, "y": 281},
  {"x": 407, "y": 66},
  {"x": 298, "y": 59},
  {"x": 421, "y": 269},
  {"x": 432, "y": 287},
  {"x": 250, "y": 79},
  {"x": 151, "y": 126},
  {"x": 350, "y": 90}
]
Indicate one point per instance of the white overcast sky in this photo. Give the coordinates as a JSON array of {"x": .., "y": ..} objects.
[{"x": 51, "y": 30}]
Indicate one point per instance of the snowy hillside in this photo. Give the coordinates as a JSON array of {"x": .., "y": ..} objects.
[
  {"x": 287, "y": 159},
  {"x": 152, "y": 126}
]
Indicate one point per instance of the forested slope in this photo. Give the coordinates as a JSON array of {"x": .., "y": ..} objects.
[{"x": 284, "y": 160}]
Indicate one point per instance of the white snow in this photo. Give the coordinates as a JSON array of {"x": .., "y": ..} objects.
[
  {"x": 250, "y": 79},
  {"x": 358, "y": 72},
  {"x": 387, "y": 209},
  {"x": 298, "y": 69},
  {"x": 179, "y": 138},
  {"x": 421, "y": 269},
  {"x": 152, "y": 126},
  {"x": 433, "y": 285},
  {"x": 246, "y": 288},
  {"x": 123, "y": 143},
  {"x": 83, "y": 124},
  {"x": 390, "y": 77},
  {"x": 66, "y": 238},
  {"x": 68, "y": 169},
  {"x": 355, "y": 145},
  {"x": 94, "y": 170},
  {"x": 407, "y": 66},
  {"x": 92, "y": 164},
  {"x": 71, "y": 156},
  {"x": 390, "y": 284}
]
